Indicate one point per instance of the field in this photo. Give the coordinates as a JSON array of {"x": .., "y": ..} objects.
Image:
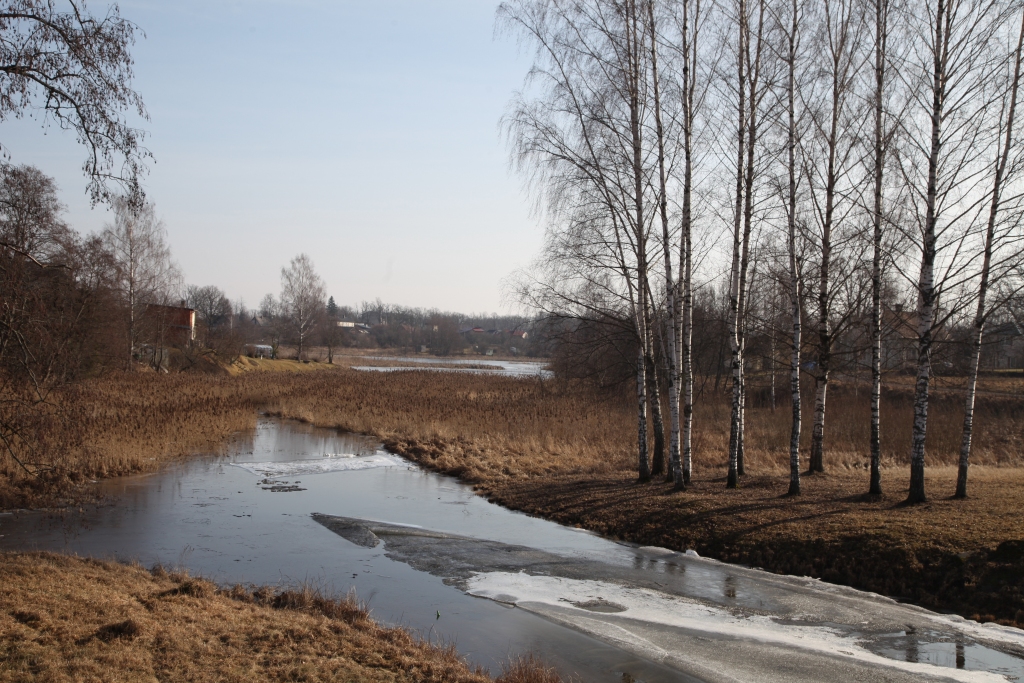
[
  {"x": 70, "y": 619},
  {"x": 566, "y": 452}
]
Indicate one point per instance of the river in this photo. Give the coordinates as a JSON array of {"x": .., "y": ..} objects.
[{"x": 290, "y": 503}]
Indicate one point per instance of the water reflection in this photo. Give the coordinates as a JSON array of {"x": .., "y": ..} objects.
[{"x": 218, "y": 520}]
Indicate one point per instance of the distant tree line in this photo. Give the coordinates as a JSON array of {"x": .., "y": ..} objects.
[{"x": 740, "y": 185}]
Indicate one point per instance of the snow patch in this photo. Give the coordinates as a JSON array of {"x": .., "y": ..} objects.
[
  {"x": 334, "y": 463},
  {"x": 654, "y": 607}
]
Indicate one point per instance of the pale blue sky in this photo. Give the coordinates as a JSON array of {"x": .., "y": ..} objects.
[{"x": 363, "y": 133}]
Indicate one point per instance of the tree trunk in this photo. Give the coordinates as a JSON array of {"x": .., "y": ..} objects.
[
  {"x": 643, "y": 464},
  {"x": 682, "y": 476},
  {"x": 654, "y": 397},
  {"x": 818, "y": 431},
  {"x": 753, "y": 75},
  {"x": 926, "y": 281},
  {"x": 881, "y": 36},
  {"x": 734, "y": 289},
  {"x": 794, "y": 274},
  {"x": 982, "y": 314},
  {"x": 634, "y": 76},
  {"x": 671, "y": 325}
]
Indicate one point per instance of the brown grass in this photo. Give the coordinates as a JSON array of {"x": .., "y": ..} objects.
[
  {"x": 568, "y": 453},
  {"x": 69, "y": 619}
]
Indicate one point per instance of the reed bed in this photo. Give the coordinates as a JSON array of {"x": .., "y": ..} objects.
[
  {"x": 485, "y": 429},
  {"x": 70, "y": 619}
]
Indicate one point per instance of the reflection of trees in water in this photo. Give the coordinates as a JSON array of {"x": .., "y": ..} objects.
[{"x": 912, "y": 650}]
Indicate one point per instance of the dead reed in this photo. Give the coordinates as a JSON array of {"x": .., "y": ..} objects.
[
  {"x": 69, "y": 619},
  {"x": 485, "y": 429}
]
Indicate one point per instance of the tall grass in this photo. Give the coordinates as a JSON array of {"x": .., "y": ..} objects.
[
  {"x": 70, "y": 619},
  {"x": 478, "y": 426}
]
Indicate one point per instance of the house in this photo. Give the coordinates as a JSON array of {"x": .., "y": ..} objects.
[
  {"x": 259, "y": 350},
  {"x": 1003, "y": 347},
  {"x": 358, "y": 327},
  {"x": 900, "y": 341},
  {"x": 170, "y": 325},
  {"x": 521, "y": 334}
]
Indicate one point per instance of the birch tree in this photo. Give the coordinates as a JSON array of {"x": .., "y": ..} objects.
[
  {"x": 793, "y": 273},
  {"x": 580, "y": 137},
  {"x": 998, "y": 238},
  {"x": 145, "y": 272},
  {"x": 831, "y": 164},
  {"x": 949, "y": 73},
  {"x": 751, "y": 91},
  {"x": 302, "y": 297},
  {"x": 880, "y": 139}
]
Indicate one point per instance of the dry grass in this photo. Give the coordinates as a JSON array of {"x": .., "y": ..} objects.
[
  {"x": 69, "y": 619},
  {"x": 565, "y": 452}
]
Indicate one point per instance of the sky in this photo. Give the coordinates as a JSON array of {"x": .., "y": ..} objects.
[{"x": 363, "y": 133}]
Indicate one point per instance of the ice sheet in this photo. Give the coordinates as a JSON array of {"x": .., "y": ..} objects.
[
  {"x": 653, "y": 607},
  {"x": 332, "y": 463}
]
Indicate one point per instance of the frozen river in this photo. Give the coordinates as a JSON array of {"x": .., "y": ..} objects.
[{"x": 292, "y": 503}]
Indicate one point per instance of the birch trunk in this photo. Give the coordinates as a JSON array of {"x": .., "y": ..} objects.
[
  {"x": 654, "y": 397},
  {"x": 926, "y": 281},
  {"x": 753, "y": 76},
  {"x": 794, "y": 279},
  {"x": 981, "y": 314},
  {"x": 839, "y": 76},
  {"x": 682, "y": 478},
  {"x": 734, "y": 288},
  {"x": 643, "y": 464},
  {"x": 881, "y": 36},
  {"x": 634, "y": 49},
  {"x": 670, "y": 287}
]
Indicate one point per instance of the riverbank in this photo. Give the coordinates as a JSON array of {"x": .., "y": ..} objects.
[
  {"x": 566, "y": 453},
  {"x": 68, "y": 619}
]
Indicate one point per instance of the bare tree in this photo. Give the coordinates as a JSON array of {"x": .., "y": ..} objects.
[
  {"x": 302, "y": 297},
  {"x": 794, "y": 280},
  {"x": 76, "y": 67},
  {"x": 212, "y": 307},
  {"x": 51, "y": 286},
  {"x": 145, "y": 273},
  {"x": 830, "y": 153},
  {"x": 950, "y": 75},
  {"x": 880, "y": 139},
  {"x": 996, "y": 236},
  {"x": 751, "y": 90},
  {"x": 581, "y": 137}
]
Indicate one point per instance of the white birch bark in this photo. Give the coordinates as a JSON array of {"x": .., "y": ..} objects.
[
  {"x": 689, "y": 45},
  {"x": 881, "y": 37},
  {"x": 634, "y": 49},
  {"x": 794, "y": 278},
  {"x": 753, "y": 77},
  {"x": 674, "y": 469},
  {"x": 981, "y": 314},
  {"x": 926, "y": 280},
  {"x": 734, "y": 286}
]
